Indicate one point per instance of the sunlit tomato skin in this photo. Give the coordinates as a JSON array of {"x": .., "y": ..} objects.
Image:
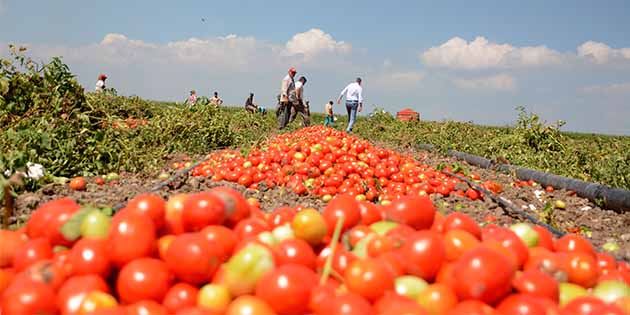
[
  {"x": 90, "y": 256},
  {"x": 295, "y": 251},
  {"x": 437, "y": 298},
  {"x": 586, "y": 305},
  {"x": 344, "y": 206},
  {"x": 31, "y": 252},
  {"x": 574, "y": 243},
  {"x": 180, "y": 296},
  {"x": 545, "y": 238},
  {"x": 43, "y": 271},
  {"x": 281, "y": 216},
  {"x": 393, "y": 304},
  {"x": 146, "y": 307},
  {"x": 369, "y": 213},
  {"x": 130, "y": 237},
  {"x": 341, "y": 259},
  {"x": 150, "y": 205},
  {"x": 415, "y": 211},
  {"x": 482, "y": 274},
  {"x": 143, "y": 279},
  {"x": 509, "y": 240},
  {"x": 192, "y": 258},
  {"x": 249, "y": 305},
  {"x": 74, "y": 290},
  {"x": 369, "y": 278},
  {"x": 310, "y": 226},
  {"x": 202, "y": 209},
  {"x": 350, "y": 304},
  {"x": 458, "y": 242},
  {"x": 46, "y": 220},
  {"x": 251, "y": 227},
  {"x": 521, "y": 304},
  {"x": 11, "y": 241},
  {"x": 424, "y": 254},
  {"x": 461, "y": 221},
  {"x": 287, "y": 289},
  {"x": 28, "y": 297},
  {"x": 537, "y": 283},
  {"x": 222, "y": 237},
  {"x": 321, "y": 296}
]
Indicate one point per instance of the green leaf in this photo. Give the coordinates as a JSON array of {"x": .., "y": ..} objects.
[{"x": 71, "y": 230}]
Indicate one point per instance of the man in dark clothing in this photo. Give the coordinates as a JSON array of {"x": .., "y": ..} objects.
[{"x": 249, "y": 104}]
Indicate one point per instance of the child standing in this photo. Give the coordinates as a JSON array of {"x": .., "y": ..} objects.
[{"x": 330, "y": 118}]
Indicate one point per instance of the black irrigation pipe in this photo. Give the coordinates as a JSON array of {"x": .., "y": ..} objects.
[
  {"x": 506, "y": 204},
  {"x": 612, "y": 198}
]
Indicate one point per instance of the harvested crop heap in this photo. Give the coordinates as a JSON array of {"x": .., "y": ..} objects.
[{"x": 216, "y": 252}]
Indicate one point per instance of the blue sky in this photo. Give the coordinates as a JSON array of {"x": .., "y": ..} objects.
[{"x": 471, "y": 61}]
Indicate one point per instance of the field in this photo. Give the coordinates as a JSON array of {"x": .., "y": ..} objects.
[{"x": 105, "y": 150}]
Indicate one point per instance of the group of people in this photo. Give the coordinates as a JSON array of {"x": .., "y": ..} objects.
[{"x": 291, "y": 102}]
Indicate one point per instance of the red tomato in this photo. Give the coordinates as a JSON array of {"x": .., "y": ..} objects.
[
  {"x": 149, "y": 204},
  {"x": 582, "y": 268},
  {"x": 586, "y": 305},
  {"x": 395, "y": 304},
  {"x": 350, "y": 304},
  {"x": 192, "y": 258},
  {"x": 130, "y": 237},
  {"x": 236, "y": 206},
  {"x": 574, "y": 243},
  {"x": 537, "y": 283},
  {"x": 521, "y": 304},
  {"x": 145, "y": 308},
  {"x": 483, "y": 274},
  {"x": 437, "y": 298},
  {"x": 472, "y": 307},
  {"x": 43, "y": 271},
  {"x": 281, "y": 216},
  {"x": 250, "y": 305},
  {"x": 379, "y": 245},
  {"x": 461, "y": 221},
  {"x": 370, "y": 213},
  {"x": 202, "y": 209},
  {"x": 295, "y": 251},
  {"x": 74, "y": 290},
  {"x": 222, "y": 237},
  {"x": 143, "y": 279},
  {"x": 40, "y": 221},
  {"x": 77, "y": 183},
  {"x": 180, "y": 296},
  {"x": 446, "y": 275},
  {"x": 11, "y": 241},
  {"x": 28, "y": 297},
  {"x": 424, "y": 254},
  {"x": 545, "y": 239},
  {"x": 344, "y": 206},
  {"x": 287, "y": 288},
  {"x": 369, "y": 278},
  {"x": 250, "y": 228},
  {"x": 88, "y": 256},
  {"x": 457, "y": 242},
  {"x": 508, "y": 240},
  {"x": 341, "y": 259},
  {"x": 415, "y": 211},
  {"x": 605, "y": 262},
  {"x": 357, "y": 233},
  {"x": 31, "y": 252}
]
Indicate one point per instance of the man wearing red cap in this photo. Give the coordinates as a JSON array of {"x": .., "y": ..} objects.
[
  {"x": 100, "y": 84},
  {"x": 287, "y": 97}
]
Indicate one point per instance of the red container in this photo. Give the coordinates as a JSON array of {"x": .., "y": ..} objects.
[{"x": 408, "y": 115}]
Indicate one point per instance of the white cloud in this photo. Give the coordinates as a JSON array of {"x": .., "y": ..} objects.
[
  {"x": 601, "y": 53},
  {"x": 615, "y": 88},
  {"x": 502, "y": 82},
  {"x": 457, "y": 53},
  {"x": 314, "y": 42},
  {"x": 396, "y": 80}
]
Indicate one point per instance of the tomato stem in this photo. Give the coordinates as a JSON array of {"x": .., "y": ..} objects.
[{"x": 333, "y": 246}]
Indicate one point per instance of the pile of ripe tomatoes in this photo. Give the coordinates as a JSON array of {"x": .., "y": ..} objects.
[
  {"x": 324, "y": 162},
  {"x": 215, "y": 252}
]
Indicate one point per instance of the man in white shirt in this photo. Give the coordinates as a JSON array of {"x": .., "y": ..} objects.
[
  {"x": 287, "y": 96},
  {"x": 216, "y": 101},
  {"x": 299, "y": 106},
  {"x": 354, "y": 101},
  {"x": 100, "y": 84}
]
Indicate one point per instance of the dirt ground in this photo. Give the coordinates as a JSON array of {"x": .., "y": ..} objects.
[{"x": 598, "y": 224}]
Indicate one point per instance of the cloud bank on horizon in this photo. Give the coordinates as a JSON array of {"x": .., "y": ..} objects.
[{"x": 477, "y": 80}]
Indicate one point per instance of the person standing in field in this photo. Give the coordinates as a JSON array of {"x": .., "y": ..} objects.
[
  {"x": 192, "y": 99},
  {"x": 100, "y": 84},
  {"x": 354, "y": 101},
  {"x": 330, "y": 117},
  {"x": 216, "y": 101},
  {"x": 299, "y": 106},
  {"x": 287, "y": 98}
]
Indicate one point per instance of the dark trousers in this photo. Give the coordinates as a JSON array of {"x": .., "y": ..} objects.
[{"x": 303, "y": 111}]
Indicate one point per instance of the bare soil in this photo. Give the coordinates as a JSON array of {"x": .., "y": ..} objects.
[{"x": 599, "y": 225}]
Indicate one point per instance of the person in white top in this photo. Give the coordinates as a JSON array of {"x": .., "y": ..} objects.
[
  {"x": 286, "y": 98},
  {"x": 100, "y": 84},
  {"x": 354, "y": 101},
  {"x": 299, "y": 106}
]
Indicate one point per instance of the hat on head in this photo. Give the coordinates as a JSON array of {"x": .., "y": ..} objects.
[
  {"x": 102, "y": 76},
  {"x": 292, "y": 70}
]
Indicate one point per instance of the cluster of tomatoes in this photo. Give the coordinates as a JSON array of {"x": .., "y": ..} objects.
[
  {"x": 324, "y": 162},
  {"x": 215, "y": 252}
]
